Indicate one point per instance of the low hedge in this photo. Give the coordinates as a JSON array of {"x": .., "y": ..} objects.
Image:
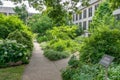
[{"x": 55, "y": 55}]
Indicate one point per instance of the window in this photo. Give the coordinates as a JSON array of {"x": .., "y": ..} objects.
[
  {"x": 77, "y": 23},
  {"x": 84, "y": 25},
  {"x": 117, "y": 16},
  {"x": 76, "y": 17},
  {"x": 84, "y": 14},
  {"x": 89, "y": 22},
  {"x": 73, "y": 17},
  {"x": 80, "y": 16},
  {"x": 90, "y": 12},
  {"x": 80, "y": 23},
  {"x": 4, "y": 13},
  {"x": 96, "y": 6}
]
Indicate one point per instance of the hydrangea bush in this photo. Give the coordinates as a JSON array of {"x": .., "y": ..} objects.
[{"x": 12, "y": 52}]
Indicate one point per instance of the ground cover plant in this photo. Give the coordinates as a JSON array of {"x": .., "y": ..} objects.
[{"x": 91, "y": 72}]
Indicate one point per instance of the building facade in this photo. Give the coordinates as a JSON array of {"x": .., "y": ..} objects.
[
  {"x": 6, "y": 7},
  {"x": 85, "y": 17}
]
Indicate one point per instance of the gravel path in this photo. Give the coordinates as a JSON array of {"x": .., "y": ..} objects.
[{"x": 40, "y": 68}]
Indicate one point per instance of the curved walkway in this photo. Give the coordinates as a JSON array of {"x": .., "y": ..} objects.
[{"x": 41, "y": 68}]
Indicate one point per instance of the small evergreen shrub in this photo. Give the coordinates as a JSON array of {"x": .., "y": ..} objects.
[
  {"x": 55, "y": 55},
  {"x": 12, "y": 52}
]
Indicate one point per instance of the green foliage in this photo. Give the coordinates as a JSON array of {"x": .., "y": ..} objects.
[
  {"x": 103, "y": 16},
  {"x": 73, "y": 62},
  {"x": 115, "y": 4},
  {"x": 59, "y": 45},
  {"x": 62, "y": 32},
  {"x": 63, "y": 45},
  {"x": 22, "y": 37},
  {"x": 11, "y": 51},
  {"x": 79, "y": 31},
  {"x": 40, "y": 23},
  {"x": 68, "y": 73},
  {"x": 42, "y": 39},
  {"x": 61, "y": 39},
  {"x": 103, "y": 41},
  {"x": 91, "y": 72},
  {"x": 79, "y": 39},
  {"x": 58, "y": 15},
  {"x": 55, "y": 55},
  {"x": 114, "y": 73},
  {"x": 43, "y": 45},
  {"x": 3, "y": 31},
  {"x": 21, "y": 11},
  {"x": 9, "y": 24}
]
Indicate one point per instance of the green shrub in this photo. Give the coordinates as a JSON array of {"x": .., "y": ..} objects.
[
  {"x": 43, "y": 45},
  {"x": 63, "y": 45},
  {"x": 22, "y": 37},
  {"x": 79, "y": 39},
  {"x": 103, "y": 41},
  {"x": 11, "y": 51},
  {"x": 114, "y": 73},
  {"x": 68, "y": 73},
  {"x": 9, "y": 24},
  {"x": 73, "y": 62},
  {"x": 57, "y": 45},
  {"x": 83, "y": 72},
  {"x": 42, "y": 39},
  {"x": 39, "y": 23},
  {"x": 91, "y": 72},
  {"x": 3, "y": 31},
  {"x": 62, "y": 32},
  {"x": 100, "y": 18},
  {"x": 55, "y": 55}
]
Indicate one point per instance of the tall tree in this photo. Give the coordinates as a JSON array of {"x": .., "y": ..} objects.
[
  {"x": 22, "y": 12},
  {"x": 58, "y": 10},
  {"x": 115, "y": 3}
]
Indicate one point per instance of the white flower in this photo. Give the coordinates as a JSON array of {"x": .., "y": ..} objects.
[
  {"x": 5, "y": 53},
  {"x": 20, "y": 54},
  {"x": 26, "y": 58}
]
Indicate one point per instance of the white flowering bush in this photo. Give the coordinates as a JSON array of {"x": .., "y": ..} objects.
[{"x": 12, "y": 52}]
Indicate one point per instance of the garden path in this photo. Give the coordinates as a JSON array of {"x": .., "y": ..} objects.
[{"x": 40, "y": 68}]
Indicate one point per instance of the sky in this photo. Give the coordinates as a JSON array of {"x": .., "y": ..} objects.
[
  {"x": 11, "y": 4},
  {"x": 30, "y": 9}
]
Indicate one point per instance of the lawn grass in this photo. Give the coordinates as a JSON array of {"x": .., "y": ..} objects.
[{"x": 12, "y": 73}]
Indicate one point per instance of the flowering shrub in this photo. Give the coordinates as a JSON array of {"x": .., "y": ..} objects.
[
  {"x": 22, "y": 37},
  {"x": 12, "y": 52}
]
